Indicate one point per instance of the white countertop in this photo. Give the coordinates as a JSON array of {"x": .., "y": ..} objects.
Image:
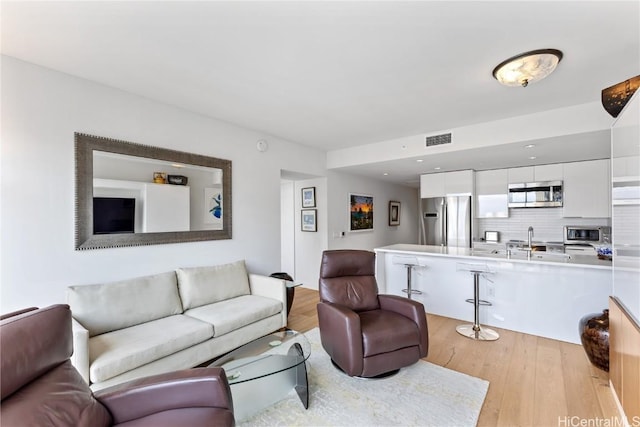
[{"x": 580, "y": 261}]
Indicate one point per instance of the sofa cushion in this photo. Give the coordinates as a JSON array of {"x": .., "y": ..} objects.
[
  {"x": 120, "y": 351},
  {"x": 111, "y": 306},
  {"x": 234, "y": 313},
  {"x": 200, "y": 286}
]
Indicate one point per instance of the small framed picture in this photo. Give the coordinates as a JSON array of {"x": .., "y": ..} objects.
[
  {"x": 309, "y": 197},
  {"x": 309, "y": 220},
  {"x": 394, "y": 213},
  {"x": 360, "y": 212}
]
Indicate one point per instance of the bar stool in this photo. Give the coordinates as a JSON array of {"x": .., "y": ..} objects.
[
  {"x": 409, "y": 263},
  {"x": 475, "y": 331}
]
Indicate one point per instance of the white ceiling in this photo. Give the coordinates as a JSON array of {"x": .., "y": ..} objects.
[{"x": 337, "y": 74}]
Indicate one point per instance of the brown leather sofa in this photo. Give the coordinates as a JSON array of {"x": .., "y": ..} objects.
[
  {"x": 40, "y": 387},
  {"x": 366, "y": 334}
]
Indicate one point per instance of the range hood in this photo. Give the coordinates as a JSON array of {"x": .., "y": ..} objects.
[{"x": 546, "y": 194}]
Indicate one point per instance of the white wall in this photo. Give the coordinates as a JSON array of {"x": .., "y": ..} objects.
[
  {"x": 287, "y": 230},
  {"x": 41, "y": 110},
  {"x": 339, "y": 187},
  {"x": 309, "y": 245}
]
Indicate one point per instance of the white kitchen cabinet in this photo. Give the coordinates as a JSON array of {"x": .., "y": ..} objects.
[
  {"x": 458, "y": 182},
  {"x": 492, "y": 193},
  {"x": 442, "y": 184},
  {"x": 432, "y": 185},
  {"x": 552, "y": 172},
  {"x": 587, "y": 189},
  {"x": 518, "y": 175}
]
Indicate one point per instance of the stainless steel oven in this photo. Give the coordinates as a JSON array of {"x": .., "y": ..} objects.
[{"x": 586, "y": 235}]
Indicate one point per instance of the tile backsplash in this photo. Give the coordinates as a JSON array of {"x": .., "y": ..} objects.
[{"x": 547, "y": 224}]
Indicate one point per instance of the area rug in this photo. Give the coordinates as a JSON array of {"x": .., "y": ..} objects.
[{"x": 423, "y": 394}]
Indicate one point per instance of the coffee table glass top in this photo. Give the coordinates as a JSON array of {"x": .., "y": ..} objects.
[{"x": 273, "y": 353}]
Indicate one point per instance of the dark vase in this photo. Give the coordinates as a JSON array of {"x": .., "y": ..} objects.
[{"x": 594, "y": 334}]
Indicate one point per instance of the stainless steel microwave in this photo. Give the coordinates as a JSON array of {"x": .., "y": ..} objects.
[
  {"x": 536, "y": 194},
  {"x": 586, "y": 235}
]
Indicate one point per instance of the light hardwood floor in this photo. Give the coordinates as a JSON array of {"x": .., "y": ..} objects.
[{"x": 534, "y": 381}]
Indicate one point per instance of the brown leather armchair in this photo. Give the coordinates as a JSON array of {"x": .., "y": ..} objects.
[
  {"x": 39, "y": 386},
  {"x": 366, "y": 334}
]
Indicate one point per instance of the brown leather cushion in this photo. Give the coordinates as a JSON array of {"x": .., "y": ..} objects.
[
  {"x": 347, "y": 277},
  {"x": 359, "y": 293},
  {"x": 33, "y": 343},
  {"x": 60, "y": 397},
  {"x": 386, "y": 331},
  {"x": 347, "y": 262}
]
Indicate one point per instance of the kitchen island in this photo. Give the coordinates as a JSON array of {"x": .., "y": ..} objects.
[{"x": 545, "y": 295}]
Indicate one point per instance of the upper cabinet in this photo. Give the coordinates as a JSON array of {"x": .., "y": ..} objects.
[
  {"x": 491, "y": 194},
  {"x": 523, "y": 174},
  {"x": 548, "y": 172},
  {"x": 442, "y": 184},
  {"x": 535, "y": 173},
  {"x": 587, "y": 191}
]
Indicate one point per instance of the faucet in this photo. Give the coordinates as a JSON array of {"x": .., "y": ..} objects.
[{"x": 529, "y": 238}]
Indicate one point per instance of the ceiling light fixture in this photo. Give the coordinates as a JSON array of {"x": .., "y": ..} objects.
[
  {"x": 529, "y": 146},
  {"x": 419, "y": 160},
  {"x": 528, "y": 67}
]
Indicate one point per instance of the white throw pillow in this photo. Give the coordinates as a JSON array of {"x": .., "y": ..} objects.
[{"x": 199, "y": 286}]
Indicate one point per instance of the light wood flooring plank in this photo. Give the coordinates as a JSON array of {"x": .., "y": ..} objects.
[{"x": 533, "y": 380}]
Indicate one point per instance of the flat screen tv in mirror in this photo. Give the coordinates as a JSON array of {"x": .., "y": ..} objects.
[
  {"x": 194, "y": 208},
  {"x": 113, "y": 215}
]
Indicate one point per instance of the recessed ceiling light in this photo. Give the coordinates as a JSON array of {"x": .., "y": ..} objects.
[
  {"x": 532, "y": 158},
  {"x": 177, "y": 165},
  {"x": 386, "y": 173},
  {"x": 437, "y": 168},
  {"x": 530, "y": 146},
  {"x": 419, "y": 160}
]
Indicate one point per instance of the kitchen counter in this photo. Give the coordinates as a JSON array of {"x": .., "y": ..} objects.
[
  {"x": 579, "y": 261},
  {"x": 543, "y": 296}
]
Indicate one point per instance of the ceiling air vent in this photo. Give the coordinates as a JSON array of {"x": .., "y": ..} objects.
[{"x": 445, "y": 138}]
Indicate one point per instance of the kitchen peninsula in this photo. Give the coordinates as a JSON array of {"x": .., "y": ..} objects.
[{"x": 545, "y": 295}]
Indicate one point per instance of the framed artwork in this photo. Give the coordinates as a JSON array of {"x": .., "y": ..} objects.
[
  {"x": 309, "y": 197},
  {"x": 309, "y": 220},
  {"x": 360, "y": 212},
  {"x": 394, "y": 213},
  {"x": 213, "y": 206}
]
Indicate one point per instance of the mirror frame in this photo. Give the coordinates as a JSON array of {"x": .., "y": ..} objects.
[{"x": 85, "y": 145}]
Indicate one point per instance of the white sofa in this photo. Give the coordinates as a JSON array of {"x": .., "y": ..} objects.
[{"x": 176, "y": 320}]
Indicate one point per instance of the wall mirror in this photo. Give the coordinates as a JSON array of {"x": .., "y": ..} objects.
[{"x": 130, "y": 194}]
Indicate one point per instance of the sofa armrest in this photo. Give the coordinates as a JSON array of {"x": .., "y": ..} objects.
[
  {"x": 80, "y": 356},
  {"x": 411, "y": 309},
  {"x": 270, "y": 287},
  {"x": 189, "y": 388}
]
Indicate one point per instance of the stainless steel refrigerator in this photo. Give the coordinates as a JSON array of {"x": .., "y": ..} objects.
[{"x": 446, "y": 221}]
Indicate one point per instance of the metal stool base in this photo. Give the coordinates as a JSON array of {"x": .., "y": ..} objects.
[{"x": 479, "y": 334}]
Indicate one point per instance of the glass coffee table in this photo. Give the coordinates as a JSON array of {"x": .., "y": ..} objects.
[{"x": 265, "y": 370}]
